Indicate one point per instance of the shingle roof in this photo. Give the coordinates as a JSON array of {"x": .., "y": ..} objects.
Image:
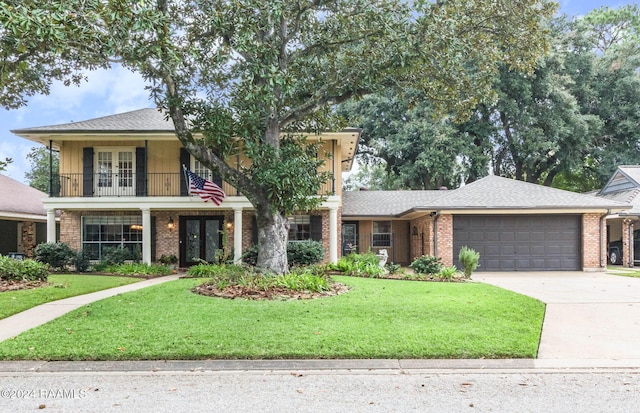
[
  {"x": 494, "y": 192},
  {"x": 491, "y": 192},
  {"x": 23, "y": 200},
  {"x": 147, "y": 120},
  {"x": 384, "y": 203}
]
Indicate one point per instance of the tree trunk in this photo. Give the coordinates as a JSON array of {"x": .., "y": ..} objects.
[{"x": 273, "y": 233}]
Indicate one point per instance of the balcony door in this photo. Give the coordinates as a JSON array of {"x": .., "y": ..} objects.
[
  {"x": 200, "y": 239},
  {"x": 115, "y": 172}
]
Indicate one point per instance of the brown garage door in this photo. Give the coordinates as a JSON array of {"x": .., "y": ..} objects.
[{"x": 520, "y": 242}]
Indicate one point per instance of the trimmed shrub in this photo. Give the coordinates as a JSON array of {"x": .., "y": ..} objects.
[
  {"x": 57, "y": 255},
  {"x": 298, "y": 253},
  {"x": 427, "y": 264},
  {"x": 468, "y": 258},
  {"x": 116, "y": 256},
  {"x": 81, "y": 261},
  {"x": 304, "y": 252}
]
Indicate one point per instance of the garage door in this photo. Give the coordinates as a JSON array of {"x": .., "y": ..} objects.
[{"x": 520, "y": 242}]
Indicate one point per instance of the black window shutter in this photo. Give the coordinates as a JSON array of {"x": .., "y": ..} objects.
[
  {"x": 87, "y": 171},
  {"x": 316, "y": 227},
  {"x": 141, "y": 171},
  {"x": 154, "y": 232},
  {"x": 254, "y": 230},
  {"x": 185, "y": 159}
]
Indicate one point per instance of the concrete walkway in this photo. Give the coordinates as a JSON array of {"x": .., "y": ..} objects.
[
  {"x": 36, "y": 316},
  {"x": 589, "y": 316}
]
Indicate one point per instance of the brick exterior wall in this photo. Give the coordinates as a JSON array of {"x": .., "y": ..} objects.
[
  {"x": 70, "y": 229},
  {"x": 444, "y": 249},
  {"x": 593, "y": 242}
]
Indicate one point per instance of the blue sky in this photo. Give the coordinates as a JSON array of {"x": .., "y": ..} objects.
[{"x": 118, "y": 90}]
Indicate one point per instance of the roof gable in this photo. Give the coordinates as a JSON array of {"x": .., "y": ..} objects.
[{"x": 625, "y": 178}]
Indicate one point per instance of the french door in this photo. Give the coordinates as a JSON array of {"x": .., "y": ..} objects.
[
  {"x": 200, "y": 239},
  {"x": 115, "y": 172}
]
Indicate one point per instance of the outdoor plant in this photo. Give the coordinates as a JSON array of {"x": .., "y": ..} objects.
[
  {"x": 468, "y": 258},
  {"x": 22, "y": 270},
  {"x": 392, "y": 268},
  {"x": 304, "y": 252},
  {"x": 116, "y": 255},
  {"x": 168, "y": 259},
  {"x": 80, "y": 261},
  {"x": 359, "y": 265},
  {"x": 447, "y": 273},
  {"x": 57, "y": 255},
  {"x": 138, "y": 269},
  {"x": 426, "y": 264}
]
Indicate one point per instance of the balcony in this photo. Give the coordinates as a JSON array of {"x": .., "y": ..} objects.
[{"x": 130, "y": 185}]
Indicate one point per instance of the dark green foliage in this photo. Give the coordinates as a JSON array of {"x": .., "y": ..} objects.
[
  {"x": 427, "y": 264},
  {"x": 80, "y": 261},
  {"x": 58, "y": 255},
  {"x": 168, "y": 259},
  {"x": 392, "y": 267},
  {"x": 250, "y": 255},
  {"x": 116, "y": 255},
  {"x": 22, "y": 270},
  {"x": 298, "y": 253},
  {"x": 305, "y": 252}
]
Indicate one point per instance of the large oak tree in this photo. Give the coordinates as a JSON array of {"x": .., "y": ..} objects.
[{"x": 252, "y": 75}]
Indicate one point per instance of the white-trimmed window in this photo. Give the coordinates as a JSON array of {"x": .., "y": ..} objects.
[
  {"x": 381, "y": 236},
  {"x": 102, "y": 232},
  {"x": 299, "y": 228},
  {"x": 198, "y": 168}
]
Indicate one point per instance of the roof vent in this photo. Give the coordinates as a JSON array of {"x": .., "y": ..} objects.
[{"x": 443, "y": 188}]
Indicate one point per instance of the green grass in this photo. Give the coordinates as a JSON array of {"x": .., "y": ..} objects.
[
  {"x": 62, "y": 286},
  {"x": 624, "y": 272},
  {"x": 376, "y": 319}
]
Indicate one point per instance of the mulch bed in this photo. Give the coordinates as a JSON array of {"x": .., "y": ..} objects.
[
  {"x": 273, "y": 293},
  {"x": 20, "y": 285}
]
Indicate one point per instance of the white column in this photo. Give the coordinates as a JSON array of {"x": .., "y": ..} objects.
[
  {"x": 333, "y": 234},
  {"x": 146, "y": 235},
  {"x": 51, "y": 225},
  {"x": 237, "y": 235}
]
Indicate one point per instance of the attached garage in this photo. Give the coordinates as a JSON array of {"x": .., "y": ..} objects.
[{"x": 521, "y": 242}]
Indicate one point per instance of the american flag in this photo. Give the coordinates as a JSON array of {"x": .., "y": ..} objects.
[{"x": 207, "y": 190}]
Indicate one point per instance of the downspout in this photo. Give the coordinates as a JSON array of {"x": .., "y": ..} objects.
[{"x": 435, "y": 216}]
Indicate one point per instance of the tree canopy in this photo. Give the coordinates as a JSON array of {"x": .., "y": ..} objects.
[
  {"x": 568, "y": 123},
  {"x": 238, "y": 75}
]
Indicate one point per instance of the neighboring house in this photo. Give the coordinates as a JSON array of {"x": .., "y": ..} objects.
[
  {"x": 121, "y": 184},
  {"x": 514, "y": 225},
  {"x": 22, "y": 218},
  {"x": 623, "y": 186}
]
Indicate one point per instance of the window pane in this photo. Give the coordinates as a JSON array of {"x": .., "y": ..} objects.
[
  {"x": 299, "y": 227},
  {"x": 100, "y": 232}
]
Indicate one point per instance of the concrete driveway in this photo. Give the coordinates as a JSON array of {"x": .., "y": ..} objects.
[{"x": 588, "y": 316}]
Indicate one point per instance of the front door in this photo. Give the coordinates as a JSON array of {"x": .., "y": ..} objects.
[
  {"x": 349, "y": 238},
  {"x": 200, "y": 239},
  {"x": 115, "y": 170}
]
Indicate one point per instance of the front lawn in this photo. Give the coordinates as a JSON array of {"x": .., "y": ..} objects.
[
  {"x": 61, "y": 286},
  {"x": 376, "y": 319}
]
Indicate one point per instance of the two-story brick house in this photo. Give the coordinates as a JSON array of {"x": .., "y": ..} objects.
[{"x": 121, "y": 184}]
